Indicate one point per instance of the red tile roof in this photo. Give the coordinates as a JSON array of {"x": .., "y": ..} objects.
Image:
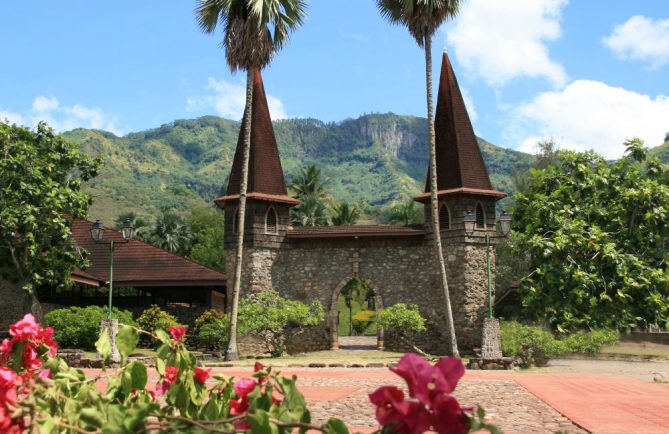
[
  {"x": 140, "y": 264},
  {"x": 265, "y": 172},
  {"x": 355, "y": 231},
  {"x": 459, "y": 161}
]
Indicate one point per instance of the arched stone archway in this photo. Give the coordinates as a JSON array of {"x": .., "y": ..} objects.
[{"x": 333, "y": 314}]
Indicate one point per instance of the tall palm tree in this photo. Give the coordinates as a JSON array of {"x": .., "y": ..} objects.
[
  {"x": 404, "y": 212},
  {"x": 422, "y": 18},
  {"x": 253, "y": 31}
]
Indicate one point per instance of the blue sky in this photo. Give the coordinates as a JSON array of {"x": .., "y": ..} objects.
[{"x": 588, "y": 73}]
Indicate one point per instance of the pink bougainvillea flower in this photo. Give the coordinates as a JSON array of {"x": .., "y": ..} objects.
[
  {"x": 178, "y": 332},
  {"x": 447, "y": 416},
  {"x": 258, "y": 367},
  {"x": 6, "y": 348},
  {"x": 452, "y": 369},
  {"x": 44, "y": 374},
  {"x": 25, "y": 328},
  {"x": 201, "y": 375},
  {"x": 244, "y": 386},
  {"x": 406, "y": 417},
  {"x": 171, "y": 374},
  {"x": 425, "y": 381},
  {"x": 238, "y": 407},
  {"x": 162, "y": 387}
]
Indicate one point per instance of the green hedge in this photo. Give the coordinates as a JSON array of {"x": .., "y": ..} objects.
[
  {"x": 212, "y": 330},
  {"x": 536, "y": 345},
  {"x": 79, "y": 327},
  {"x": 154, "y": 318}
]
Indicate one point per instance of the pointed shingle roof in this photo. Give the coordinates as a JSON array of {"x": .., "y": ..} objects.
[
  {"x": 265, "y": 179},
  {"x": 460, "y": 166}
]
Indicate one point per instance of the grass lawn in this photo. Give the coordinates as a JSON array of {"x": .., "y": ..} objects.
[{"x": 341, "y": 356}]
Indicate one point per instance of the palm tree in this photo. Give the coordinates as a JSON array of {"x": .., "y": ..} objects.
[
  {"x": 309, "y": 182},
  {"x": 253, "y": 31},
  {"x": 344, "y": 214},
  {"x": 422, "y": 18},
  {"x": 310, "y": 212},
  {"x": 404, "y": 212},
  {"x": 171, "y": 233}
]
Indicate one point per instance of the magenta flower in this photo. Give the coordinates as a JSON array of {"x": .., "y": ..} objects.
[
  {"x": 178, "y": 332},
  {"x": 201, "y": 375},
  {"x": 407, "y": 417},
  {"x": 244, "y": 386}
]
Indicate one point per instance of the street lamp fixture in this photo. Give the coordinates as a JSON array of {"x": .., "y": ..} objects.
[
  {"x": 98, "y": 235},
  {"x": 504, "y": 223},
  {"x": 470, "y": 223}
]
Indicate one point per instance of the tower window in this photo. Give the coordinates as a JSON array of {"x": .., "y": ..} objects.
[
  {"x": 480, "y": 217},
  {"x": 444, "y": 218},
  {"x": 271, "y": 220}
]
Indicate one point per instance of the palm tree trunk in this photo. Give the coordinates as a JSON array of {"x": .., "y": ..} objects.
[
  {"x": 433, "y": 196},
  {"x": 233, "y": 353}
]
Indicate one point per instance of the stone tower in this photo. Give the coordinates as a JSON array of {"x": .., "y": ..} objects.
[
  {"x": 267, "y": 204},
  {"x": 463, "y": 186}
]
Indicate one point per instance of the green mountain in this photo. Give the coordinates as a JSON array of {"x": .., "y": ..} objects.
[
  {"x": 662, "y": 151},
  {"x": 374, "y": 159}
]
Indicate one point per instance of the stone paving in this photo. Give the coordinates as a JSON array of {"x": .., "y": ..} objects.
[{"x": 508, "y": 405}]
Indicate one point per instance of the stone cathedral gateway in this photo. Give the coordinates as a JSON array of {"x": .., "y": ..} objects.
[{"x": 398, "y": 262}]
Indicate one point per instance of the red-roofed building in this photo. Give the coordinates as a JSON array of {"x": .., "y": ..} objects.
[{"x": 143, "y": 275}]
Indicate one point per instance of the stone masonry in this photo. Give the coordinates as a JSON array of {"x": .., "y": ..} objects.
[{"x": 399, "y": 270}]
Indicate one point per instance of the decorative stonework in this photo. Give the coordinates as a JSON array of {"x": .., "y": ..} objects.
[
  {"x": 111, "y": 326},
  {"x": 491, "y": 346}
]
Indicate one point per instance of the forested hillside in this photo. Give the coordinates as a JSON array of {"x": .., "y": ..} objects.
[{"x": 375, "y": 159}]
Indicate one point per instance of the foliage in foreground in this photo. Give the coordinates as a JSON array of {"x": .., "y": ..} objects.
[
  {"x": 268, "y": 316},
  {"x": 40, "y": 181},
  {"x": 41, "y": 393},
  {"x": 79, "y": 327},
  {"x": 596, "y": 247}
]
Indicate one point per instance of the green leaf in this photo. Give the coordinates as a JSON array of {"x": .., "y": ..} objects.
[
  {"x": 336, "y": 426},
  {"x": 92, "y": 417},
  {"x": 126, "y": 340},
  {"x": 103, "y": 345},
  {"x": 260, "y": 423},
  {"x": 160, "y": 366}
]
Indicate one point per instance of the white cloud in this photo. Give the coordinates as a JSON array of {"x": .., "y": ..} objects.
[
  {"x": 63, "y": 118},
  {"x": 502, "y": 40},
  {"x": 229, "y": 100},
  {"x": 13, "y": 118},
  {"x": 590, "y": 115},
  {"x": 641, "y": 38}
]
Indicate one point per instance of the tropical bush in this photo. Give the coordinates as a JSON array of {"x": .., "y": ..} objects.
[
  {"x": 268, "y": 317},
  {"x": 590, "y": 342},
  {"x": 529, "y": 345},
  {"x": 41, "y": 393},
  {"x": 79, "y": 327},
  {"x": 403, "y": 321},
  {"x": 154, "y": 318},
  {"x": 362, "y": 320},
  {"x": 212, "y": 330}
]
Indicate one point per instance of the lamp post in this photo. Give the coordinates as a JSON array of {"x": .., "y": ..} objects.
[
  {"x": 97, "y": 234},
  {"x": 504, "y": 226},
  {"x": 491, "y": 347}
]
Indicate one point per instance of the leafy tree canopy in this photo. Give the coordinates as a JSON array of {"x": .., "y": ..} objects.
[
  {"x": 595, "y": 238},
  {"x": 207, "y": 226},
  {"x": 40, "y": 180}
]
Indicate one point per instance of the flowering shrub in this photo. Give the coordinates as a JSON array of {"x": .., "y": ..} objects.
[{"x": 40, "y": 393}]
